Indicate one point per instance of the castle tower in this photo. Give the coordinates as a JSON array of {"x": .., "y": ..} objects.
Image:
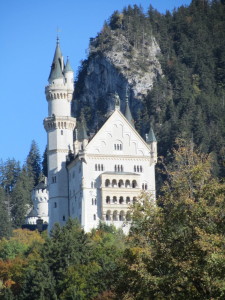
[{"x": 59, "y": 126}]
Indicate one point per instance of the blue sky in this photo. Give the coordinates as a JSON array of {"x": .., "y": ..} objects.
[{"x": 28, "y": 30}]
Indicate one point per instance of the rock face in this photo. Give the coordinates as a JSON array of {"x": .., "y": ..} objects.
[{"x": 117, "y": 68}]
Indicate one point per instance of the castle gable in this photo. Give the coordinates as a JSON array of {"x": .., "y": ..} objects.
[{"x": 117, "y": 137}]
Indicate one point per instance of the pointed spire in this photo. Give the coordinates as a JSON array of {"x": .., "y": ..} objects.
[
  {"x": 68, "y": 67},
  {"x": 128, "y": 114},
  {"x": 57, "y": 64},
  {"x": 151, "y": 136},
  {"x": 82, "y": 131}
]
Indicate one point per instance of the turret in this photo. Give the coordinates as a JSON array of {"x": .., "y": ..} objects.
[
  {"x": 151, "y": 140},
  {"x": 81, "y": 138},
  {"x": 69, "y": 77},
  {"x": 128, "y": 114},
  {"x": 59, "y": 126},
  {"x": 40, "y": 201}
]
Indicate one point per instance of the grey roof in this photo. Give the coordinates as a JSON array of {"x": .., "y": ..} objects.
[
  {"x": 41, "y": 186},
  {"x": 128, "y": 114},
  {"x": 151, "y": 136},
  {"x": 68, "y": 66},
  {"x": 56, "y": 68},
  {"x": 82, "y": 130}
]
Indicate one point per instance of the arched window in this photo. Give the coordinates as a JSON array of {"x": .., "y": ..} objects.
[
  {"x": 95, "y": 201},
  {"x": 146, "y": 186},
  {"x": 134, "y": 168},
  {"x": 96, "y": 167},
  {"x": 137, "y": 168},
  {"x": 127, "y": 183},
  {"x": 101, "y": 167},
  {"x": 118, "y": 168},
  {"x": 134, "y": 200},
  {"x": 120, "y": 184},
  {"x": 94, "y": 217},
  {"x": 114, "y": 199},
  {"x": 128, "y": 200},
  {"x": 108, "y": 200},
  {"x": 115, "y": 168},
  {"x": 121, "y": 168},
  {"x": 61, "y": 132},
  {"x": 121, "y": 200},
  {"x": 143, "y": 186},
  {"x": 121, "y": 216},
  {"x": 107, "y": 183},
  {"x": 141, "y": 169},
  {"x": 92, "y": 201},
  {"x": 114, "y": 183},
  {"x": 115, "y": 217},
  {"x": 108, "y": 215},
  {"x": 134, "y": 184}
]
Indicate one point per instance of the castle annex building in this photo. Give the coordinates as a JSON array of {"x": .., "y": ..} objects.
[{"x": 93, "y": 178}]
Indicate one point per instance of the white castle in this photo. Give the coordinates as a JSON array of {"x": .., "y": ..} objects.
[{"x": 93, "y": 179}]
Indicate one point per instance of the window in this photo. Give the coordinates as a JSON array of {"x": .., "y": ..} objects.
[
  {"x": 94, "y": 217},
  {"x": 95, "y": 201},
  {"x": 53, "y": 179},
  {"x": 64, "y": 218},
  {"x": 55, "y": 204},
  {"x": 96, "y": 167},
  {"x": 102, "y": 168},
  {"x": 61, "y": 132},
  {"x": 118, "y": 146},
  {"x": 138, "y": 169}
]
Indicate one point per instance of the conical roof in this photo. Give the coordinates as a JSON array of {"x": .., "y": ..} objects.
[
  {"x": 68, "y": 67},
  {"x": 82, "y": 130},
  {"x": 151, "y": 136},
  {"x": 128, "y": 114},
  {"x": 57, "y": 64}
]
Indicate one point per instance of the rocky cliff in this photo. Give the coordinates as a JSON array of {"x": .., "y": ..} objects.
[{"x": 115, "y": 65}]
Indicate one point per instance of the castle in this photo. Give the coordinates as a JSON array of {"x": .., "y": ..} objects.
[{"x": 93, "y": 178}]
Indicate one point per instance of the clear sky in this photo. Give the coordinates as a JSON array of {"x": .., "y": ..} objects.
[{"x": 28, "y": 30}]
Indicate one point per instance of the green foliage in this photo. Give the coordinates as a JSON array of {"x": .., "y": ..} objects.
[
  {"x": 5, "y": 224},
  {"x": 33, "y": 163},
  {"x": 177, "y": 250}
]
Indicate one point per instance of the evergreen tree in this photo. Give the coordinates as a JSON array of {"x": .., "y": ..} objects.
[
  {"x": 33, "y": 163},
  {"x": 5, "y": 224},
  {"x": 45, "y": 163},
  {"x": 21, "y": 198}
]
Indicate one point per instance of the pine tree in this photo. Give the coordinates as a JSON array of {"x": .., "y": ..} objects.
[{"x": 33, "y": 162}]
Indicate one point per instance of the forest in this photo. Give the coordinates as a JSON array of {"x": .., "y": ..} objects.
[{"x": 175, "y": 249}]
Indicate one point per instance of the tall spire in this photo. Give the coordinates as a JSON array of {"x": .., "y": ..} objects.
[
  {"x": 150, "y": 136},
  {"x": 57, "y": 64},
  {"x": 128, "y": 114}
]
